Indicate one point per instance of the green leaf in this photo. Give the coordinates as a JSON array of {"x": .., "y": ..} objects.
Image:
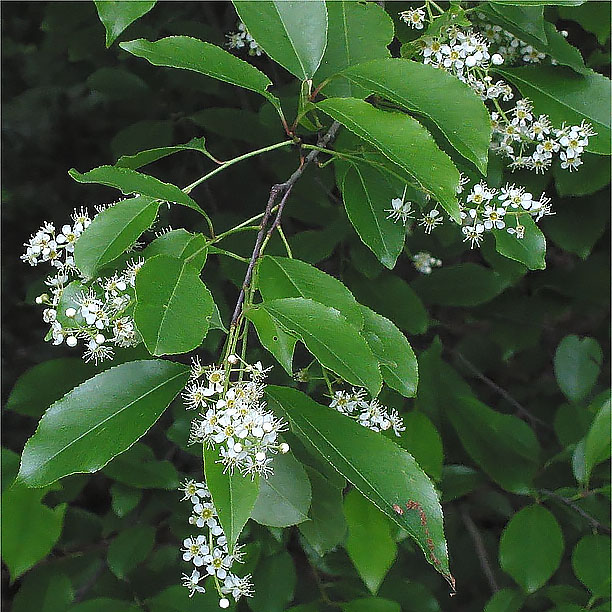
[
  {"x": 79, "y": 434},
  {"x": 506, "y": 600},
  {"x": 330, "y": 338},
  {"x": 176, "y": 598},
  {"x": 173, "y": 306},
  {"x": 369, "y": 544},
  {"x": 104, "y": 604},
  {"x": 199, "y": 56},
  {"x": 529, "y": 250},
  {"x": 273, "y": 337},
  {"x": 426, "y": 91},
  {"x": 405, "y": 142},
  {"x": 465, "y": 284},
  {"x": 577, "y": 364},
  {"x": 594, "y": 17},
  {"x": 138, "y": 467},
  {"x": 398, "y": 364},
  {"x": 371, "y": 604},
  {"x": 180, "y": 244},
  {"x": 376, "y": 466},
  {"x": 591, "y": 563},
  {"x": 117, "y": 15},
  {"x": 394, "y": 298},
  {"x": 597, "y": 442},
  {"x": 29, "y": 528},
  {"x": 117, "y": 84},
  {"x": 10, "y": 467},
  {"x": 233, "y": 495},
  {"x": 357, "y": 32},
  {"x": 326, "y": 527},
  {"x": 422, "y": 440},
  {"x": 284, "y": 497},
  {"x": 280, "y": 277},
  {"x": 274, "y": 581},
  {"x": 124, "y": 499},
  {"x": 597, "y": 168},
  {"x": 129, "y": 549},
  {"x": 561, "y": 51},
  {"x": 44, "y": 590},
  {"x": 129, "y": 181},
  {"x": 45, "y": 383},
  {"x": 150, "y": 155},
  {"x": 112, "y": 232},
  {"x": 367, "y": 196},
  {"x": 511, "y": 459},
  {"x": 525, "y": 22},
  {"x": 531, "y": 547},
  {"x": 568, "y": 98},
  {"x": 293, "y": 33}
]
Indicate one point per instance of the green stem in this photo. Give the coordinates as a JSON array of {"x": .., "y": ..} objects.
[
  {"x": 231, "y": 162},
  {"x": 285, "y": 242},
  {"x": 327, "y": 381},
  {"x": 219, "y": 251}
]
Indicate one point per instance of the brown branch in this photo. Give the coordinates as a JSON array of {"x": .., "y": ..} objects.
[
  {"x": 520, "y": 410},
  {"x": 568, "y": 502},
  {"x": 480, "y": 548},
  {"x": 275, "y": 192}
]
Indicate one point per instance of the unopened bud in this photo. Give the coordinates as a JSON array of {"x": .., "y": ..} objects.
[
  {"x": 100, "y": 339},
  {"x": 284, "y": 448},
  {"x": 232, "y": 360},
  {"x": 70, "y": 312},
  {"x": 260, "y": 456},
  {"x": 497, "y": 59},
  {"x": 224, "y": 603},
  {"x": 71, "y": 341}
]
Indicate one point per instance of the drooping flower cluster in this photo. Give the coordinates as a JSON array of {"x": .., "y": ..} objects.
[
  {"x": 532, "y": 142},
  {"x": 466, "y": 55},
  {"x": 242, "y": 39},
  {"x": 371, "y": 414},
  {"x": 209, "y": 552},
  {"x": 232, "y": 416},
  {"x": 98, "y": 315},
  {"x": 424, "y": 262}
]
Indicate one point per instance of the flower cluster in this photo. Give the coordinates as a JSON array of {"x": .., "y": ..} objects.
[
  {"x": 466, "y": 55},
  {"x": 232, "y": 417},
  {"x": 97, "y": 315},
  {"x": 512, "y": 49},
  {"x": 209, "y": 552},
  {"x": 242, "y": 39},
  {"x": 424, "y": 262},
  {"x": 486, "y": 209},
  {"x": 371, "y": 414},
  {"x": 532, "y": 142}
]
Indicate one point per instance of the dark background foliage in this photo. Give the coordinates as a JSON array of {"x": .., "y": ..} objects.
[{"x": 61, "y": 110}]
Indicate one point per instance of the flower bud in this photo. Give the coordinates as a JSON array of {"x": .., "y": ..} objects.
[
  {"x": 70, "y": 312},
  {"x": 224, "y": 603},
  {"x": 497, "y": 59},
  {"x": 71, "y": 341},
  {"x": 284, "y": 448},
  {"x": 100, "y": 339},
  {"x": 232, "y": 360}
]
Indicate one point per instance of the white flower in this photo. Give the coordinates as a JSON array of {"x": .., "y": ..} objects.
[
  {"x": 217, "y": 563},
  {"x": 494, "y": 218},
  {"x": 195, "y": 395},
  {"x": 480, "y": 194},
  {"x": 497, "y": 59},
  {"x": 424, "y": 262},
  {"x": 203, "y": 514},
  {"x": 518, "y": 231},
  {"x": 237, "y": 587},
  {"x": 193, "y": 491},
  {"x": 195, "y": 549},
  {"x": 431, "y": 220},
  {"x": 474, "y": 234},
  {"x": 415, "y": 18},
  {"x": 400, "y": 210},
  {"x": 191, "y": 582}
]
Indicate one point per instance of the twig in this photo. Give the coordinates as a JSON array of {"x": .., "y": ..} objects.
[
  {"x": 275, "y": 192},
  {"x": 480, "y": 548},
  {"x": 568, "y": 502},
  {"x": 521, "y": 410}
]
